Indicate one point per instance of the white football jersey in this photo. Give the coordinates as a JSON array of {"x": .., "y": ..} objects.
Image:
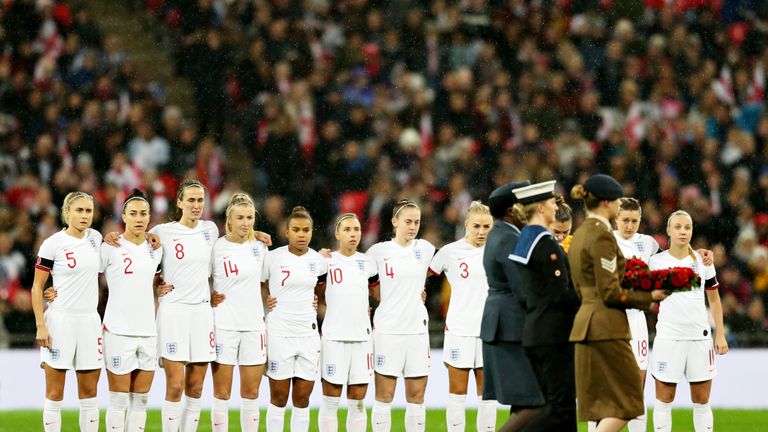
[
  {"x": 237, "y": 269},
  {"x": 130, "y": 270},
  {"x": 402, "y": 273},
  {"x": 639, "y": 245},
  {"x": 683, "y": 315},
  {"x": 462, "y": 264},
  {"x": 346, "y": 297},
  {"x": 292, "y": 281},
  {"x": 187, "y": 260},
  {"x": 74, "y": 267}
]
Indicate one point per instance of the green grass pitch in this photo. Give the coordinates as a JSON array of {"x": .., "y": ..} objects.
[{"x": 725, "y": 420}]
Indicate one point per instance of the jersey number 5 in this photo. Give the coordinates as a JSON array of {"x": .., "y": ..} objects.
[{"x": 71, "y": 257}]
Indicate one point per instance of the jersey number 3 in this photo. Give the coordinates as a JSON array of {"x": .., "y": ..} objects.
[{"x": 464, "y": 270}]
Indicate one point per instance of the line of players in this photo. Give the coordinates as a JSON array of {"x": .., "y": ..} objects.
[
  {"x": 190, "y": 334},
  {"x": 186, "y": 334}
]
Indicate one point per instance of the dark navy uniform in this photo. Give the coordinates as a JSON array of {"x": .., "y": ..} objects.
[
  {"x": 507, "y": 374},
  {"x": 550, "y": 305}
]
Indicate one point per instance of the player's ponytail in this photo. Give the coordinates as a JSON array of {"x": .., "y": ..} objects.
[
  {"x": 300, "y": 212},
  {"x": 68, "y": 203},
  {"x": 186, "y": 184},
  {"x": 136, "y": 195},
  {"x": 240, "y": 199}
]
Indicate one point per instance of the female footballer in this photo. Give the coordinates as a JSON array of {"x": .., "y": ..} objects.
[
  {"x": 347, "y": 348},
  {"x": 401, "y": 337},
  {"x": 69, "y": 332},
  {"x": 293, "y": 343},
  {"x": 462, "y": 263},
  {"x": 683, "y": 348},
  {"x": 241, "y": 337}
]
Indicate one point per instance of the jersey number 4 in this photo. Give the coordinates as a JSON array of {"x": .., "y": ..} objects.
[
  {"x": 230, "y": 269},
  {"x": 389, "y": 271}
]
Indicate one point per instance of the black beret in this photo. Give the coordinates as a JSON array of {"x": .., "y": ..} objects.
[
  {"x": 604, "y": 187},
  {"x": 503, "y": 198}
]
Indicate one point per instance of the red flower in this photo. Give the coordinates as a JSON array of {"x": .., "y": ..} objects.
[{"x": 646, "y": 285}]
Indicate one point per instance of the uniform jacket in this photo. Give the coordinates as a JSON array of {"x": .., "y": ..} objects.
[
  {"x": 503, "y": 316},
  {"x": 597, "y": 266},
  {"x": 547, "y": 293}
]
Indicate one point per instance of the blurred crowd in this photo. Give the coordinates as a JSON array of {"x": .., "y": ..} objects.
[{"x": 349, "y": 105}]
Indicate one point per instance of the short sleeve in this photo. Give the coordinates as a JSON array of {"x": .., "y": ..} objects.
[
  {"x": 372, "y": 267},
  {"x": 265, "y": 269},
  {"x": 653, "y": 245},
  {"x": 105, "y": 253},
  {"x": 710, "y": 278},
  {"x": 46, "y": 255},
  {"x": 373, "y": 252},
  {"x": 323, "y": 269},
  {"x": 438, "y": 264}
]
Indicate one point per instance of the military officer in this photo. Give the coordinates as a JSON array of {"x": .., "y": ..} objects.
[
  {"x": 550, "y": 303},
  {"x": 608, "y": 385},
  {"x": 508, "y": 375}
]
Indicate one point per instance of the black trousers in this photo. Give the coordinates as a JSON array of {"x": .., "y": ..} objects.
[{"x": 553, "y": 367}]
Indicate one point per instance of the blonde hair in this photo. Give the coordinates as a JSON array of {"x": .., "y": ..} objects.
[
  {"x": 524, "y": 212},
  {"x": 342, "y": 218},
  {"x": 239, "y": 199},
  {"x": 477, "y": 207},
  {"x": 590, "y": 201},
  {"x": 186, "y": 184},
  {"x": 686, "y": 214},
  {"x": 68, "y": 203}
]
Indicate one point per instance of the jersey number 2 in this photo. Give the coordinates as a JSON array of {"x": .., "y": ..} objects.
[{"x": 128, "y": 263}]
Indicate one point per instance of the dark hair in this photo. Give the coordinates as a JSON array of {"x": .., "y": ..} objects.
[
  {"x": 186, "y": 184},
  {"x": 630, "y": 204},
  {"x": 300, "y": 212},
  {"x": 136, "y": 195},
  {"x": 590, "y": 201}
]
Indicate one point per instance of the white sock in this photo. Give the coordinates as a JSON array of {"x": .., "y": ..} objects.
[
  {"x": 486, "y": 416},
  {"x": 275, "y": 418},
  {"x": 249, "y": 415},
  {"x": 639, "y": 423},
  {"x": 89, "y": 415},
  {"x": 220, "y": 415},
  {"x": 591, "y": 426},
  {"x": 327, "y": 418},
  {"x": 300, "y": 419},
  {"x": 381, "y": 416},
  {"x": 190, "y": 416},
  {"x": 136, "y": 418},
  {"x": 454, "y": 412},
  {"x": 171, "y": 413},
  {"x": 357, "y": 417},
  {"x": 662, "y": 416},
  {"x": 415, "y": 418},
  {"x": 51, "y": 416},
  {"x": 118, "y": 405},
  {"x": 703, "y": 421}
]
